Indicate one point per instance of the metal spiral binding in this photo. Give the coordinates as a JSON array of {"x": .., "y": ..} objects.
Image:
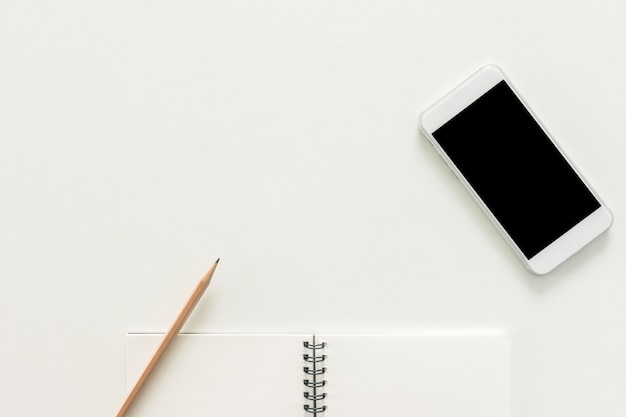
[{"x": 315, "y": 383}]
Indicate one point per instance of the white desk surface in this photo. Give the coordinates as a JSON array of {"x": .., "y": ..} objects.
[{"x": 141, "y": 140}]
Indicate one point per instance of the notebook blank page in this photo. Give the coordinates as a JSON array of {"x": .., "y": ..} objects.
[
  {"x": 412, "y": 375},
  {"x": 219, "y": 375}
]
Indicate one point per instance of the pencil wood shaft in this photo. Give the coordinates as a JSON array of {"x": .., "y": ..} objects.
[{"x": 169, "y": 336}]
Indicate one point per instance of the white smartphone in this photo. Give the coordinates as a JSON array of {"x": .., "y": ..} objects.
[{"x": 513, "y": 168}]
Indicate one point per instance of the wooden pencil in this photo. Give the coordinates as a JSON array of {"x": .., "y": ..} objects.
[{"x": 169, "y": 336}]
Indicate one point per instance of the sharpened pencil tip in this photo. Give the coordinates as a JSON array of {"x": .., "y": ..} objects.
[{"x": 218, "y": 259}]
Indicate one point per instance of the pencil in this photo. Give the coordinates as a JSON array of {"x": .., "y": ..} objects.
[{"x": 169, "y": 336}]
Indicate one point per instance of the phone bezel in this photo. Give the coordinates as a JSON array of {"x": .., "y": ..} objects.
[{"x": 458, "y": 99}]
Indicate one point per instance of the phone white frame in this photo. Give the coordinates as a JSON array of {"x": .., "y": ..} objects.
[{"x": 458, "y": 99}]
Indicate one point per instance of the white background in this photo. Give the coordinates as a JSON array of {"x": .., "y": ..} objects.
[{"x": 141, "y": 140}]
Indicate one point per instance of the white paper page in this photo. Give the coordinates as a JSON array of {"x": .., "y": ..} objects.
[
  {"x": 412, "y": 375},
  {"x": 219, "y": 375}
]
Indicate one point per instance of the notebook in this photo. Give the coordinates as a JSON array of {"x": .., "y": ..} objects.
[{"x": 323, "y": 375}]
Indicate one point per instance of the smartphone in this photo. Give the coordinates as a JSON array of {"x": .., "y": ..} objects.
[{"x": 515, "y": 171}]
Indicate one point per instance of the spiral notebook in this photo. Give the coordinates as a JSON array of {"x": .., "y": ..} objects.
[{"x": 324, "y": 375}]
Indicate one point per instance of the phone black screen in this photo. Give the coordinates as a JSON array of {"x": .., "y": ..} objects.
[{"x": 516, "y": 170}]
